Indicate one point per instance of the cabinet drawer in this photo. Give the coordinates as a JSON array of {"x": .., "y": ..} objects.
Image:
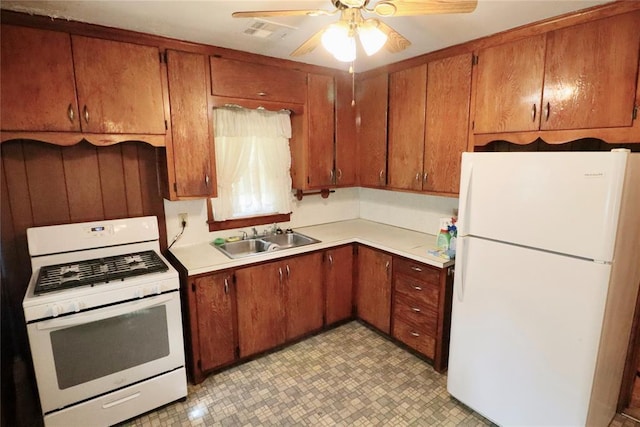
[
  {"x": 238, "y": 79},
  {"x": 417, "y": 270},
  {"x": 420, "y": 292},
  {"x": 420, "y": 315},
  {"x": 414, "y": 338}
]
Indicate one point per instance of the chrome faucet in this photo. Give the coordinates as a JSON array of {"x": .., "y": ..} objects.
[
  {"x": 255, "y": 232},
  {"x": 244, "y": 234}
]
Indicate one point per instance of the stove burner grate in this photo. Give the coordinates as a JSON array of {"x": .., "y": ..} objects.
[{"x": 99, "y": 270}]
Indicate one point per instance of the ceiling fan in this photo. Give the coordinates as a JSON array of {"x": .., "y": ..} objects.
[{"x": 339, "y": 37}]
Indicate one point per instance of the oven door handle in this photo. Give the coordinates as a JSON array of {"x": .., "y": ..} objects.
[{"x": 105, "y": 313}]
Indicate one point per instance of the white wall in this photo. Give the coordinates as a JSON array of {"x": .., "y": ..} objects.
[
  {"x": 311, "y": 210},
  {"x": 417, "y": 212}
]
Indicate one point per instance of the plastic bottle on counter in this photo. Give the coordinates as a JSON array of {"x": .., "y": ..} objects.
[{"x": 442, "y": 241}]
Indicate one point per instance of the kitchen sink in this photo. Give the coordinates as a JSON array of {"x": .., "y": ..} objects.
[{"x": 258, "y": 245}]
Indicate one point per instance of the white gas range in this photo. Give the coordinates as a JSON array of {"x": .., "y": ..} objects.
[{"x": 104, "y": 321}]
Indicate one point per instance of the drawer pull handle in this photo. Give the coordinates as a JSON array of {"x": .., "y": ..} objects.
[
  {"x": 71, "y": 113},
  {"x": 417, "y": 288},
  {"x": 415, "y": 334},
  {"x": 120, "y": 401},
  {"x": 226, "y": 285},
  {"x": 415, "y": 309},
  {"x": 414, "y": 268},
  {"x": 262, "y": 94}
]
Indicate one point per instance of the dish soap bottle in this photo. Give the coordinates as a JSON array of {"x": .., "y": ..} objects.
[{"x": 442, "y": 242}]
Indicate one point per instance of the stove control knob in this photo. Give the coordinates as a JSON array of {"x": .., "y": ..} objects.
[
  {"x": 55, "y": 310},
  {"x": 75, "y": 306},
  {"x": 139, "y": 293}
]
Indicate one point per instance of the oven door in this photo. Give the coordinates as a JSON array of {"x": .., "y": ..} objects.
[{"x": 83, "y": 355}]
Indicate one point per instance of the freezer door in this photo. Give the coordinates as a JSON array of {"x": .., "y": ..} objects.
[
  {"x": 563, "y": 202},
  {"x": 525, "y": 331}
]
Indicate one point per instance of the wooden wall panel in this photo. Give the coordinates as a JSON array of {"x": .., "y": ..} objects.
[
  {"x": 82, "y": 178},
  {"x": 47, "y": 188},
  {"x": 112, "y": 181}
]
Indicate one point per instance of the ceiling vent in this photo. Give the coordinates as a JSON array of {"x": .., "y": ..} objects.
[{"x": 263, "y": 29}]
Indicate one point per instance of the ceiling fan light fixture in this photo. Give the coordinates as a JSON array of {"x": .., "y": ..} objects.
[
  {"x": 371, "y": 37},
  {"x": 340, "y": 42}
]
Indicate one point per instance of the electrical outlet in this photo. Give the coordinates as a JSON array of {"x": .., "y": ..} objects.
[{"x": 183, "y": 219}]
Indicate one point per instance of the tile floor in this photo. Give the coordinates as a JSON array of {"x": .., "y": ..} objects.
[{"x": 348, "y": 376}]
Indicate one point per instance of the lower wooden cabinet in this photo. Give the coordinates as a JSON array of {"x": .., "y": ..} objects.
[
  {"x": 278, "y": 301},
  {"x": 373, "y": 297},
  {"x": 422, "y": 308},
  {"x": 236, "y": 314},
  {"x": 212, "y": 315},
  {"x": 338, "y": 277}
]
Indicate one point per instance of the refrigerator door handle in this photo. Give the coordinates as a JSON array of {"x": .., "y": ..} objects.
[
  {"x": 465, "y": 196},
  {"x": 462, "y": 245}
]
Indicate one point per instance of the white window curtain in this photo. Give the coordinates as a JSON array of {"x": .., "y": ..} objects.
[{"x": 252, "y": 163}]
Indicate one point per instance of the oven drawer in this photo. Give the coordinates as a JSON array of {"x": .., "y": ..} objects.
[{"x": 124, "y": 403}]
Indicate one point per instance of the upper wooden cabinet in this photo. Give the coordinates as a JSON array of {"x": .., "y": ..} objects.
[
  {"x": 578, "y": 77},
  {"x": 191, "y": 154},
  {"x": 407, "y": 105},
  {"x": 119, "y": 86},
  {"x": 447, "y": 122},
  {"x": 239, "y": 79},
  {"x": 371, "y": 126},
  {"x": 56, "y": 82},
  {"x": 38, "y": 91},
  {"x": 346, "y": 139},
  {"x": 320, "y": 135}
]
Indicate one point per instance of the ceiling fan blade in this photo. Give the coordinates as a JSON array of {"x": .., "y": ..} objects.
[
  {"x": 310, "y": 44},
  {"x": 423, "y": 7},
  {"x": 272, "y": 13},
  {"x": 395, "y": 41}
]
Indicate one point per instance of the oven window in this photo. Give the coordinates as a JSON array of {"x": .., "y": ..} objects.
[{"x": 93, "y": 350}]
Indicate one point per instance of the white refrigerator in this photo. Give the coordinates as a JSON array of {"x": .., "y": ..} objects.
[{"x": 547, "y": 274}]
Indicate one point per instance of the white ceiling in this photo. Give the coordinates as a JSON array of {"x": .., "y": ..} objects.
[{"x": 210, "y": 22}]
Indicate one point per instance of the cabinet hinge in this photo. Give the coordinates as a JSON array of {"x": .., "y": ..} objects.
[
  {"x": 635, "y": 112},
  {"x": 193, "y": 286},
  {"x": 473, "y": 124},
  {"x": 175, "y": 187},
  {"x": 166, "y": 125},
  {"x": 474, "y": 60},
  {"x": 308, "y": 180}
]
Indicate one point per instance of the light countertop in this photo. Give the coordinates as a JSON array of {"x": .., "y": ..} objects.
[{"x": 205, "y": 258}]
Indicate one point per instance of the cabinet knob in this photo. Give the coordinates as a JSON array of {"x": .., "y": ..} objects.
[
  {"x": 206, "y": 179},
  {"x": 417, "y": 288},
  {"x": 86, "y": 114},
  {"x": 425, "y": 176},
  {"x": 415, "y": 309},
  {"x": 280, "y": 272},
  {"x": 339, "y": 174},
  {"x": 288, "y": 271},
  {"x": 547, "y": 110},
  {"x": 414, "y": 268},
  {"x": 534, "y": 112},
  {"x": 71, "y": 113},
  {"x": 330, "y": 259},
  {"x": 226, "y": 285},
  {"x": 414, "y": 334},
  {"x": 418, "y": 176},
  {"x": 381, "y": 176},
  {"x": 331, "y": 176},
  {"x": 262, "y": 94}
]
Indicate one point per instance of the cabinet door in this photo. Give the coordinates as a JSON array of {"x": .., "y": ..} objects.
[
  {"x": 407, "y": 102},
  {"x": 590, "y": 76},
  {"x": 447, "y": 122},
  {"x": 509, "y": 86},
  {"x": 320, "y": 113},
  {"x": 119, "y": 86},
  {"x": 304, "y": 300},
  {"x": 338, "y": 275},
  {"x": 371, "y": 125},
  {"x": 260, "y": 293},
  {"x": 239, "y": 79},
  {"x": 214, "y": 306},
  {"x": 192, "y": 144},
  {"x": 346, "y": 142},
  {"x": 38, "y": 88},
  {"x": 374, "y": 288}
]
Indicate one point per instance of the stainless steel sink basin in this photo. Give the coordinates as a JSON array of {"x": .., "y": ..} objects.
[{"x": 276, "y": 242}]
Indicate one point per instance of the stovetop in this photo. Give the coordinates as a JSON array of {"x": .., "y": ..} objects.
[{"x": 98, "y": 270}]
